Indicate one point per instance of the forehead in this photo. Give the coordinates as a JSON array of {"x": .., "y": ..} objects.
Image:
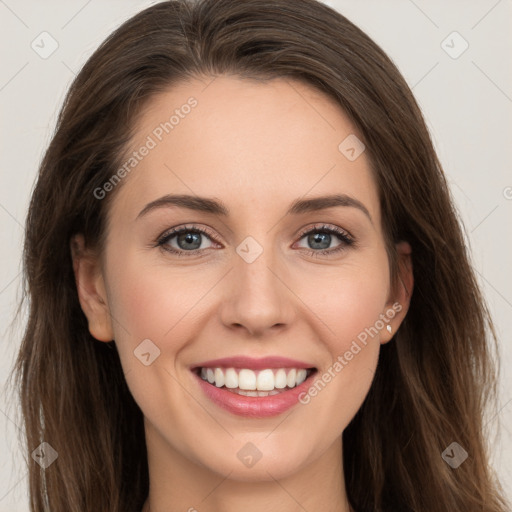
[{"x": 257, "y": 144}]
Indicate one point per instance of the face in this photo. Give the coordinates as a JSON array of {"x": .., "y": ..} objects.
[{"x": 277, "y": 285}]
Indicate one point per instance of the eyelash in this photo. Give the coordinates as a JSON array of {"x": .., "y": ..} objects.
[{"x": 346, "y": 239}]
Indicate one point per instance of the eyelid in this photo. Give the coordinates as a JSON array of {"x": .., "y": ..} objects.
[
  {"x": 346, "y": 238},
  {"x": 172, "y": 232},
  {"x": 325, "y": 227}
]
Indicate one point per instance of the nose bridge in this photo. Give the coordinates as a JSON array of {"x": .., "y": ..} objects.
[
  {"x": 253, "y": 264},
  {"x": 257, "y": 298}
]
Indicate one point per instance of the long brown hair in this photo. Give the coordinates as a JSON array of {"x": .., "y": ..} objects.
[{"x": 433, "y": 381}]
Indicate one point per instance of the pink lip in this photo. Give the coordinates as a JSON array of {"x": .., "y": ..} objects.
[
  {"x": 253, "y": 363},
  {"x": 254, "y": 406}
]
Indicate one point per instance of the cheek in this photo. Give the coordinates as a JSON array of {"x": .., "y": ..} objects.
[
  {"x": 152, "y": 301},
  {"x": 145, "y": 306},
  {"x": 350, "y": 305},
  {"x": 350, "y": 299},
  {"x": 360, "y": 303}
]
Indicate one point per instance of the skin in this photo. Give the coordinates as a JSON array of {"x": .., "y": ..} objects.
[{"x": 257, "y": 147}]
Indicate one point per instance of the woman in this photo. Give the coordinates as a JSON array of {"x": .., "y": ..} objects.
[{"x": 248, "y": 283}]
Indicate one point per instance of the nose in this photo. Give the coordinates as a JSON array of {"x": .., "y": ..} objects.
[{"x": 255, "y": 297}]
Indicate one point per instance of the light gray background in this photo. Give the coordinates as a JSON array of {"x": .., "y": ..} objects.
[{"x": 467, "y": 102}]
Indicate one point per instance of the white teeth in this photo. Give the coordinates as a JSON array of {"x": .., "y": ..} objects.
[
  {"x": 254, "y": 383},
  {"x": 290, "y": 380},
  {"x": 280, "y": 379},
  {"x": 301, "y": 376},
  {"x": 231, "y": 378},
  {"x": 251, "y": 393},
  {"x": 265, "y": 380},
  {"x": 247, "y": 379},
  {"x": 219, "y": 377}
]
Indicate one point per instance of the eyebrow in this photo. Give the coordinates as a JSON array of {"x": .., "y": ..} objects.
[{"x": 215, "y": 207}]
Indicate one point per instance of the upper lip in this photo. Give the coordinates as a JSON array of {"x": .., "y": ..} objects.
[{"x": 253, "y": 363}]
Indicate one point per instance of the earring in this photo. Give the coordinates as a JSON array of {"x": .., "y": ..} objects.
[{"x": 388, "y": 327}]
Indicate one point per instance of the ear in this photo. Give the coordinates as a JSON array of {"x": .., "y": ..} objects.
[
  {"x": 91, "y": 289},
  {"x": 398, "y": 303}
]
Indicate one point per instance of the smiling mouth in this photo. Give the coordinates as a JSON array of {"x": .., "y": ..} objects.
[{"x": 254, "y": 383}]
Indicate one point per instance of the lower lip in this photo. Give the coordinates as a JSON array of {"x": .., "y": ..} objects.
[{"x": 254, "y": 406}]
